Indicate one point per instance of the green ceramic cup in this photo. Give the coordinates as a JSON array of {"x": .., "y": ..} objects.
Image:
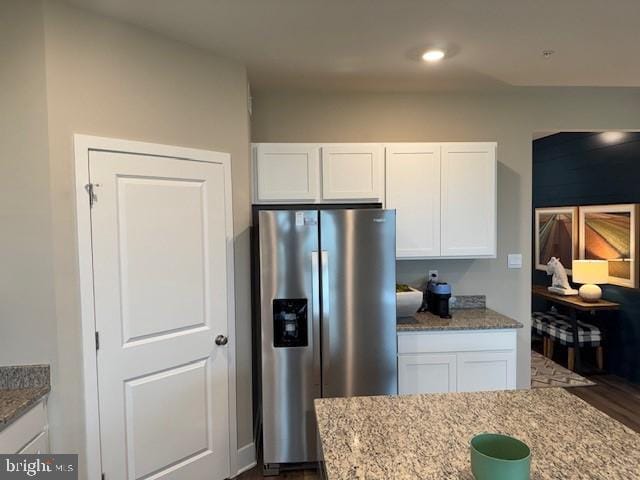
[{"x": 499, "y": 457}]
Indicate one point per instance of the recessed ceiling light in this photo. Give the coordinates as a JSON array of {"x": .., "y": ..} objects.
[
  {"x": 612, "y": 137},
  {"x": 433, "y": 55}
]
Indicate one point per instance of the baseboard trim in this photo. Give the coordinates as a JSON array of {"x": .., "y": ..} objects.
[{"x": 246, "y": 458}]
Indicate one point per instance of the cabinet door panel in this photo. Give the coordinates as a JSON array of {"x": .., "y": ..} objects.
[
  {"x": 352, "y": 172},
  {"x": 287, "y": 172},
  {"x": 427, "y": 373},
  {"x": 468, "y": 200},
  {"x": 38, "y": 445},
  {"x": 413, "y": 189},
  {"x": 24, "y": 429},
  {"x": 484, "y": 371}
]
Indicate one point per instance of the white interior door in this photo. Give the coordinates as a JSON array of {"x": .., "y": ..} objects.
[{"x": 160, "y": 238}]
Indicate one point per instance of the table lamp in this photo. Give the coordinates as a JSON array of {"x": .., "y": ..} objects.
[{"x": 590, "y": 273}]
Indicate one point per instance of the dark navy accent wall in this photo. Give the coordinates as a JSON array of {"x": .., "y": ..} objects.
[{"x": 595, "y": 169}]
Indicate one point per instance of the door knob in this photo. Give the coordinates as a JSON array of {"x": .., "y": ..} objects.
[{"x": 221, "y": 340}]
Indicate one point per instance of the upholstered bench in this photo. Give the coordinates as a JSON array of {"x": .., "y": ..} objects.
[{"x": 555, "y": 327}]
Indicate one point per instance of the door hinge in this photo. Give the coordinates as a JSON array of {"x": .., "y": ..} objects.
[
  {"x": 98, "y": 342},
  {"x": 91, "y": 190}
]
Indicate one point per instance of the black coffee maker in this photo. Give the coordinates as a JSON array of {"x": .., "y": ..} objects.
[{"x": 438, "y": 295}]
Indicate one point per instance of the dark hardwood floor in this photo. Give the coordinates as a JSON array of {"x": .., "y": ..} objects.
[
  {"x": 256, "y": 474},
  {"x": 613, "y": 395}
]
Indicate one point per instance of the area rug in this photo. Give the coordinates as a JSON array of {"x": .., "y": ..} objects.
[{"x": 546, "y": 373}]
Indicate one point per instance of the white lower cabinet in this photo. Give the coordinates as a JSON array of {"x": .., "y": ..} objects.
[
  {"x": 38, "y": 445},
  {"x": 456, "y": 361},
  {"x": 482, "y": 371},
  {"x": 427, "y": 373},
  {"x": 27, "y": 434}
]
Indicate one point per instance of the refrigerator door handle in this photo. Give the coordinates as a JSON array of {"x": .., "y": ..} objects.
[
  {"x": 326, "y": 310},
  {"x": 315, "y": 317}
]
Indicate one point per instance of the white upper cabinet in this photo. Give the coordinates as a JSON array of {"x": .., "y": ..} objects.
[
  {"x": 286, "y": 172},
  {"x": 444, "y": 194},
  {"x": 413, "y": 190},
  {"x": 353, "y": 172},
  {"x": 468, "y": 196}
]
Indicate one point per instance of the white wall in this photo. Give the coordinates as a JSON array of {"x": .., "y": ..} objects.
[
  {"x": 63, "y": 72},
  {"x": 27, "y": 306},
  {"x": 510, "y": 118},
  {"x": 109, "y": 79}
]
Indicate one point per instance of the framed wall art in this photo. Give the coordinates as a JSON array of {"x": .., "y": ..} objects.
[
  {"x": 609, "y": 232},
  {"x": 556, "y": 235}
]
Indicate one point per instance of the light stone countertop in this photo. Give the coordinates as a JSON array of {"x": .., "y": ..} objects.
[
  {"x": 427, "y": 436},
  {"x": 461, "y": 319}
]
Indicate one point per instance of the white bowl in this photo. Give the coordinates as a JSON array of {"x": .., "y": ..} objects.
[{"x": 408, "y": 303}]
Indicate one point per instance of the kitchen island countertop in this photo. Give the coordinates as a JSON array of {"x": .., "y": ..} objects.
[
  {"x": 427, "y": 436},
  {"x": 461, "y": 319}
]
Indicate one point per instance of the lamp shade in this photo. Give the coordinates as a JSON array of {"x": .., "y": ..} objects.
[{"x": 590, "y": 271}]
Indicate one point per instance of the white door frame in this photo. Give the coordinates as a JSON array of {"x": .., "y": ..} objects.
[{"x": 83, "y": 144}]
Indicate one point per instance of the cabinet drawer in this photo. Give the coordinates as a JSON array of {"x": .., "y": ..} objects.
[
  {"x": 40, "y": 444},
  {"x": 452, "y": 341},
  {"x": 24, "y": 429}
]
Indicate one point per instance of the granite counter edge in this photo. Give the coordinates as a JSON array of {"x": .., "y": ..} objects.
[
  {"x": 427, "y": 328},
  {"x": 31, "y": 398},
  {"x": 499, "y": 322}
]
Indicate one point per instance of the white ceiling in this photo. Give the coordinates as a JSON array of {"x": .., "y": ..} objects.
[{"x": 374, "y": 44}]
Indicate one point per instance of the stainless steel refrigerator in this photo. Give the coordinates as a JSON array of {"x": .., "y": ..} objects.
[{"x": 328, "y": 318}]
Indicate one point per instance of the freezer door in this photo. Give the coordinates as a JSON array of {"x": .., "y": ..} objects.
[
  {"x": 290, "y": 336},
  {"x": 359, "y": 302}
]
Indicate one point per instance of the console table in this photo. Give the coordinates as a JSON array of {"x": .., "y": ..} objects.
[{"x": 575, "y": 304}]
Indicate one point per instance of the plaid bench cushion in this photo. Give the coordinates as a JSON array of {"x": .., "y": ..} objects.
[
  {"x": 558, "y": 327},
  {"x": 542, "y": 322}
]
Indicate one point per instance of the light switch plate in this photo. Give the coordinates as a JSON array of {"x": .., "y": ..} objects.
[{"x": 514, "y": 260}]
